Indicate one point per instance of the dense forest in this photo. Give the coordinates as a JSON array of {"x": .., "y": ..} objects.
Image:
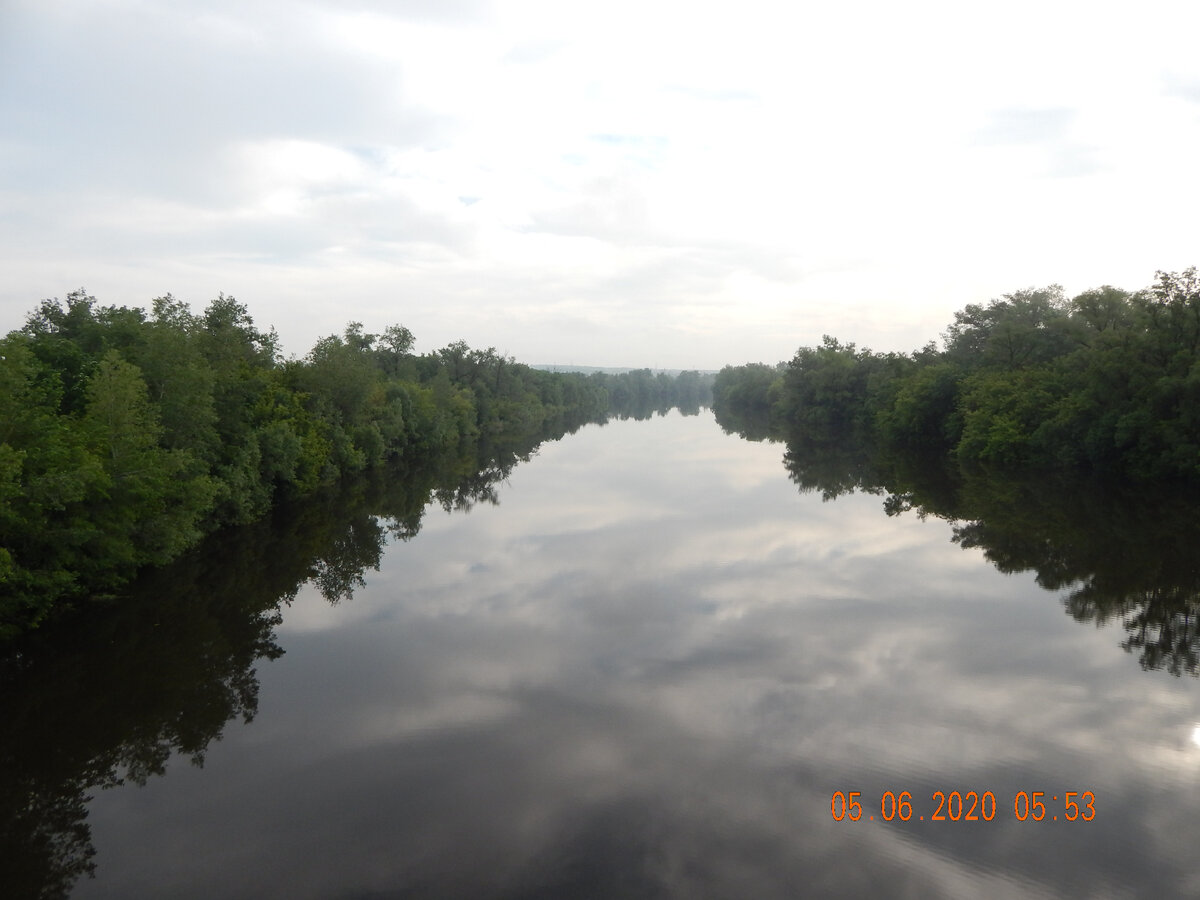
[
  {"x": 1060, "y": 436},
  {"x": 1107, "y": 382},
  {"x": 127, "y": 435}
]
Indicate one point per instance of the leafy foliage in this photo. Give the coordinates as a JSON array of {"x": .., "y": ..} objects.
[
  {"x": 1105, "y": 382},
  {"x": 125, "y": 437}
]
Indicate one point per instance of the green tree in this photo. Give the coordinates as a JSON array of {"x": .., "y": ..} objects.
[
  {"x": 155, "y": 498},
  {"x": 1023, "y": 328},
  {"x": 47, "y": 476}
]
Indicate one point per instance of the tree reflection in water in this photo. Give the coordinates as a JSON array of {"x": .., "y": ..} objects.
[
  {"x": 110, "y": 695},
  {"x": 1117, "y": 553}
]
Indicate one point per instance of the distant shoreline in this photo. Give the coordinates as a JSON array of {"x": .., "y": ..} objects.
[{"x": 614, "y": 370}]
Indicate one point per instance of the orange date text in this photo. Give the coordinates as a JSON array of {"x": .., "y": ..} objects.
[{"x": 965, "y": 806}]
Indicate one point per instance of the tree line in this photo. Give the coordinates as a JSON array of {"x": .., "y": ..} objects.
[
  {"x": 1107, "y": 382},
  {"x": 126, "y": 435}
]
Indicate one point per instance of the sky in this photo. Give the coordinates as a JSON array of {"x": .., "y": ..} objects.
[{"x": 650, "y": 183}]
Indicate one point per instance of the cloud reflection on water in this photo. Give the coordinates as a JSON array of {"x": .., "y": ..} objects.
[{"x": 644, "y": 674}]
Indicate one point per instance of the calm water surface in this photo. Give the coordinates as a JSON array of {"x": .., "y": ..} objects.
[{"x": 644, "y": 673}]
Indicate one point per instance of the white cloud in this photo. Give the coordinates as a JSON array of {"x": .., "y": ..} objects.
[{"x": 754, "y": 175}]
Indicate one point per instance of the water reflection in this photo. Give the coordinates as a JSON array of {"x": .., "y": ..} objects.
[
  {"x": 642, "y": 674},
  {"x": 1116, "y": 553},
  {"x": 109, "y": 697}
]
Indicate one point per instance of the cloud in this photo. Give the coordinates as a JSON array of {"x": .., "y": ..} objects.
[
  {"x": 790, "y": 165},
  {"x": 1026, "y": 126},
  {"x": 450, "y": 11},
  {"x": 1183, "y": 87},
  {"x": 720, "y": 95},
  {"x": 1049, "y": 132},
  {"x": 536, "y": 51},
  {"x": 611, "y": 209},
  {"x": 151, "y": 97}
]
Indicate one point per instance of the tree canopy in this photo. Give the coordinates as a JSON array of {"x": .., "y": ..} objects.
[
  {"x": 125, "y": 436},
  {"x": 1105, "y": 382}
]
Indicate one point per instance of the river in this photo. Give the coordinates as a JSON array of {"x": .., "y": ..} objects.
[{"x": 651, "y": 668}]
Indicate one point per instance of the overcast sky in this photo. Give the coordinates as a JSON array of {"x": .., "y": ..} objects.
[{"x": 627, "y": 182}]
